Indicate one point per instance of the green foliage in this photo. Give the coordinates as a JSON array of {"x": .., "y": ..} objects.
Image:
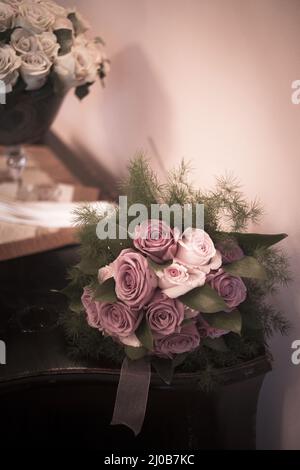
[
  {"x": 204, "y": 299},
  {"x": 230, "y": 321},
  {"x": 144, "y": 334},
  {"x": 250, "y": 327},
  {"x": 247, "y": 267},
  {"x": 142, "y": 185}
]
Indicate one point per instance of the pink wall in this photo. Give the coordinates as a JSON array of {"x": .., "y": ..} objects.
[{"x": 208, "y": 80}]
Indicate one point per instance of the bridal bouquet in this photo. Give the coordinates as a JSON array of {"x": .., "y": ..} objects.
[
  {"x": 155, "y": 293},
  {"x": 40, "y": 40}
]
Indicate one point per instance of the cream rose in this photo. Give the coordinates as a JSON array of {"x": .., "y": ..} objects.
[
  {"x": 35, "y": 17},
  {"x": 76, "y": 68},
  {"x": 177, "y": 280},
  {"x": 7, "y": 15},
  {"x": 93, "y": 47},
  {"x": 63, "y": 23},
  {"x": 35, "y": 69},
  {"x": 23, "y": 41},
  {"x": 49, "y": 45},
  {"x": 54, "y": 8},
  {"x": 14, "y": 3},
  {"x": 196, "y": 249},
  {"x": 9, "y": 65}
]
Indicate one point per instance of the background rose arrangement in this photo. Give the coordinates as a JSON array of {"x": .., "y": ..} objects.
[
  {"x": 40, "y": 40},
  {"x": 196, "y": 300}
]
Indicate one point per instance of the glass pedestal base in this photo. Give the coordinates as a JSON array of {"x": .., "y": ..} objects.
[{"x": 16, "y": 159}]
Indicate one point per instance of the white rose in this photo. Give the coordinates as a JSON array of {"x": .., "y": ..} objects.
[
  {"x": 95, "y": 50},
  {"x": 54, "y": 8},
  {"x": 76, "y": 68},
  {"x": 49, "y": 45},
  {"x": 9, "y": 65},
  {"x": 34, "y": 17},
  {"x": 63, "y": 23},
  {"x": 177, "y": 280},
  {"x": 35, "y": 69},
  {"x": 86, "y": 68},
  {"x": 7, "y": 15},
  {"x": 13, "y": 3},
  {"x": 196, "y": 249},
  {"x": 23, "y": 41}
]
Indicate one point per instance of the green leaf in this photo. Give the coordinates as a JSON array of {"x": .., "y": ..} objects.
[
  {"x": 65, "y": 40},
  {"x": 83, "y": 90},
  {"x": 250, "y": 319},
  {"x": 226, "y": 321},
  {"x": 204, "y": 299},
  {"x": 135, "y": 353},
  {"x": 76, "y": 306},
  {"x": 246, "y": 267},
  {"x": 78, "y": 25},
  {"x": 89, "y": 266},
  {"x": 72, "y": 290},
  {"x": 144, "y": 334},
  {"x": 164, "y": 368},
  {"x": 217, "y": 344},
  {"x": 250, "y": 242},
  {"x": 158, "y": 267},
  {"x": 106, "y": 292},
  {"x": 179, "y": 359}
]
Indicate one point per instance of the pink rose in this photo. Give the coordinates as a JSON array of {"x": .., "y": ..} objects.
[
  {"x": 230, "y": 251},
  {"x": 196, "y": 249},
  {"x": 90, "y": 307},
  {"x": 131, "y": 341},
  {"x": 135, "y": 281},
  {"x": 207, "y": 331},
  {"x": 157, "y": 240},
  {"x": 177, "y": 280},
  {"x": 164, "y": 315},
  {"x": 230, "y": 288},
  {"x": 178, "y": 343},
  {"x": 105, "y": 273},
  {"x": 117, "y": 319}
]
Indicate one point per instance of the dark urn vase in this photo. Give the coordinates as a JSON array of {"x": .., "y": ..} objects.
[
  {"x": 24, "y": 119},
  {"x": 28, "y": 115}
]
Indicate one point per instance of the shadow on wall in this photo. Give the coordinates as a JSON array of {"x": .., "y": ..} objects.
[
  {"x": 128, "y": 114},
  {"x": 278, "y": 426}
]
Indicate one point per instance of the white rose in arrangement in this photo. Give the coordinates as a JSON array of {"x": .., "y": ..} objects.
[
  {"x": 7, "y": 16},
  {"x": 76, "y": 68},
  {"x": 35, "y": 69},
  {"x": 13, "y": 3},
  {"x": 9, "y": 65},
  {"x": 35, "y": 17},
  {"x": 54, "y": 8},
  {"x": 95, "y": 50},
  {"x": 48, "y": 44},
  {"x": 23, "y": 41},
  {"x": 36, "y": 34},
  {"x": 93, "y": 47},
  {"x": 63, "y": 23}
]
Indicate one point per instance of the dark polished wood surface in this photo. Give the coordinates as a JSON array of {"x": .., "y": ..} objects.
[
  {"x": 49, "y": 400},
  {"x": 28, "y": 115}
]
